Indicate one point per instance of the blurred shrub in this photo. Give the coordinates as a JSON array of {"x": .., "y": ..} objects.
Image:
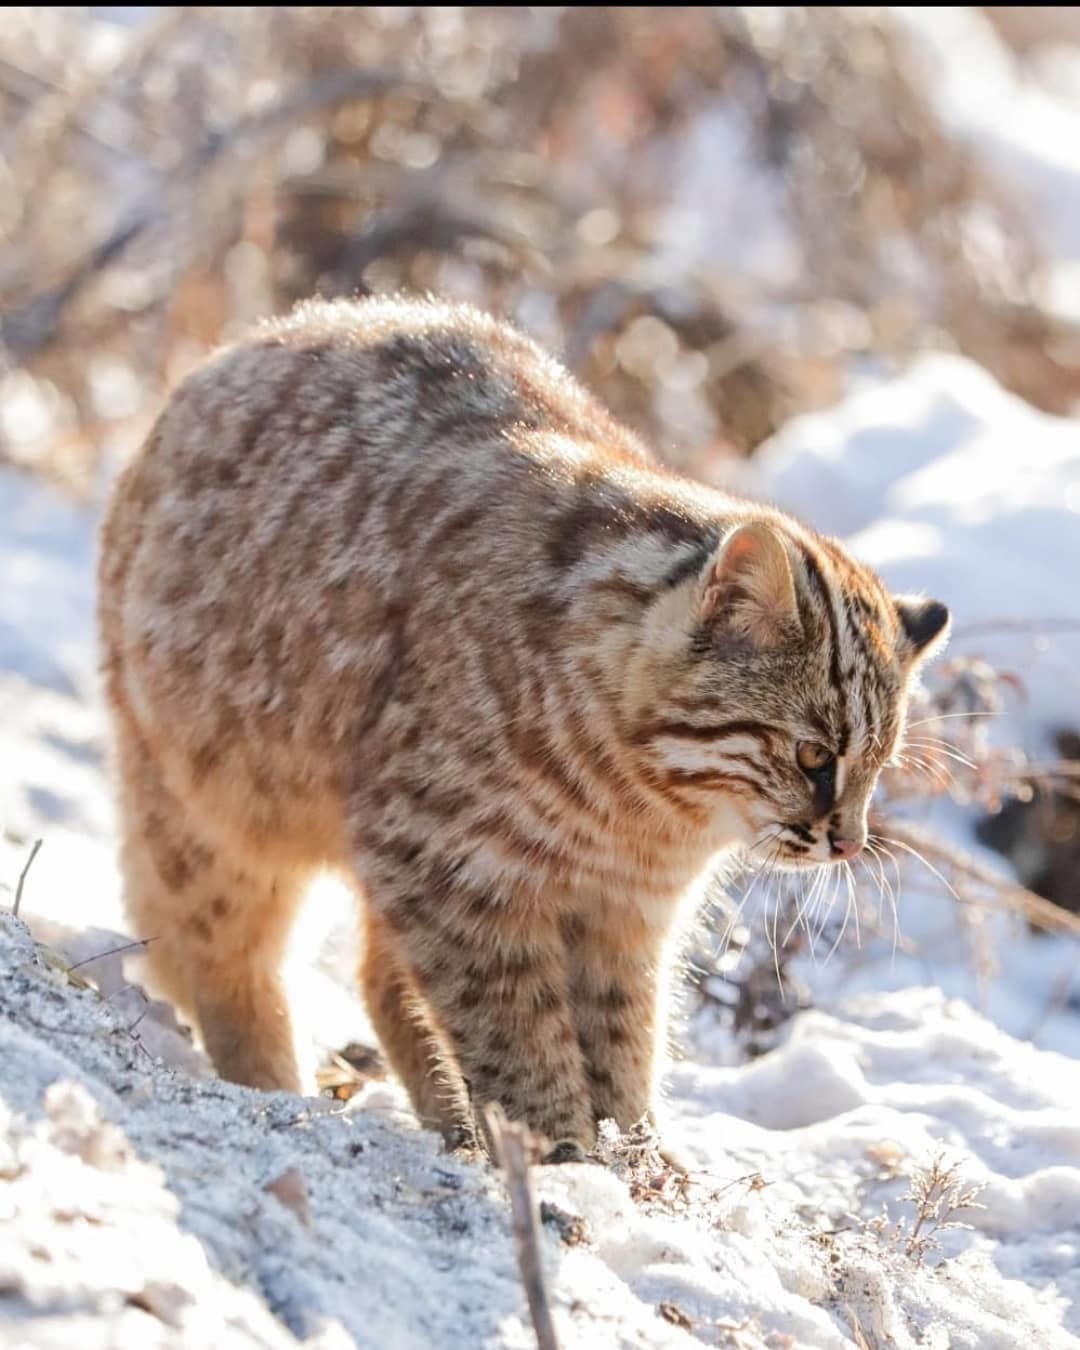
[{"x": 709, "y": 212}]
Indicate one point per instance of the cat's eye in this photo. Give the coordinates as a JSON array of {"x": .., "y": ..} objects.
[{"x": 812, "y": 756}]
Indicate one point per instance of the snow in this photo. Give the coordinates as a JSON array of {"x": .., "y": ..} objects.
[
  {"x": 149, "y": 1191},
  {"x": 51, "y": 743},
  {"x": 737, "y": 217}
]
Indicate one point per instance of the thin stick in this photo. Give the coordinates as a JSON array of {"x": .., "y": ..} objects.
[
  {"x": 510, "y": 1142},
  {"x": 113, "y": 951},
  {"x": 22, "y": 877},
  {"x": 1042, "y": 913}
]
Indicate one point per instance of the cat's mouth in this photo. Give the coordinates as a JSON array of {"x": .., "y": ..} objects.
[
  {"x": 793, "y": 848},
  {"x": 795, "y": 859},
  {"x": 796, "y": 862}
]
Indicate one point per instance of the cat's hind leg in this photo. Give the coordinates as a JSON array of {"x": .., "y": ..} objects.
[{"x": 216, "y": 926}]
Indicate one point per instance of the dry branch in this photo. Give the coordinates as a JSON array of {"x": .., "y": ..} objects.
[
  {"x": 22, "y": 877},
  {"x": 36, "y": 323},
  {"x": 510, "y": 1142},
  {"x": 1042, "y": 913}
]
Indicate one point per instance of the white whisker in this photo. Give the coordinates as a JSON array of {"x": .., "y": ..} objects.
[
  {"x": 880, "y": 847},
  {"x": 943, "y": 717},
  {"x": 899, "y": 843},
  {"x": 940, "y": 748},
  {"x": 853, "y": 892}
]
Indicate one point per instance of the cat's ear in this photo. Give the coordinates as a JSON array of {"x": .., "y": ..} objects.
[
  {"x": 924, "y": 627},
  {"x": 748, "y": 589}
]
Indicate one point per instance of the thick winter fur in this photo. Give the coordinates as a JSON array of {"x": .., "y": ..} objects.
[{"x": 387, "y": 591}]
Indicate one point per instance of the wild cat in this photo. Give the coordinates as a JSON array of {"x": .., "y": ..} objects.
[{"x": 387, "y": 591}]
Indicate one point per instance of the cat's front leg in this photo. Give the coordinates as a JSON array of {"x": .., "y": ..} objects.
[
  {"x": 495, "y": 982},
  {"x": 618, "y": 973}
]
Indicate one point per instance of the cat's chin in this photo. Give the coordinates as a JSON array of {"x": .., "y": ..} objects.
[
  {"x": 785, "y": 863},
  {"x": 802, "y": 864}
]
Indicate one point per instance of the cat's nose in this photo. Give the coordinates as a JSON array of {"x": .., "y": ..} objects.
[{"x": 843, "y": 849}]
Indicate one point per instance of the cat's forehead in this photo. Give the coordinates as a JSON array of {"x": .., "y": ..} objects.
[{"x": 854, "y": 685}]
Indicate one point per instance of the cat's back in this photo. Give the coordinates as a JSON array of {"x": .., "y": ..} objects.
[
  {"x": 352, "y": 471},
  {"x": 322, "y": 443},
  {"x": 386, "y": 386}
]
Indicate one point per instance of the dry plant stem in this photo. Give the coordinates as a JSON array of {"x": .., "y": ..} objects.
[
  {"x": 36, "y": 323},
  {"x": 510, "y": 1142},
  {"x": 937, "y": 1196},
  {"x": 22, "y": 877},
  {"x": 112, "y": 951},
  {"x": 1065, "y": 768},
  {"x": 858, "y": 1335},
  {"x": 1042, "y": 913}
]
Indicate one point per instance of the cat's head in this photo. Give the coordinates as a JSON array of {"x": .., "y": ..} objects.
[{"x": 780, "y": 688}]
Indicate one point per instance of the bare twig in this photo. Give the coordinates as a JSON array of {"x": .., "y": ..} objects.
[
  {"x": 510, "y": 1144},
  {"x": 938, "y": 1196},
  {"x": 113, "y": 951},
  {"x": 22, "y": 877},
  {"x": 857, "y": 1332},
  {"x": 1040, "y": 912},
  {"x": 1062, "y": 768},
  {"x": 35, "y": 324}
]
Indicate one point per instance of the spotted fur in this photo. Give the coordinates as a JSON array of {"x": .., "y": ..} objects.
[{"x": 386, "y": 591}]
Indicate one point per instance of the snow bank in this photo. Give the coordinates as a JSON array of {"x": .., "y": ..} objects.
[
  {"x": 1035, "y": 149},
  {"x": 51, "y": 743},
  {"x": 138, "y": 1205}
]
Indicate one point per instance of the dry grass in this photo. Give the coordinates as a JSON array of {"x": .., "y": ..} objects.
[
  {"x": 19, "y": 885},
  {"x": 159, "y": 193},
  {"x": 938, "y": 1195},
  {"x": 949, "y": 753}
]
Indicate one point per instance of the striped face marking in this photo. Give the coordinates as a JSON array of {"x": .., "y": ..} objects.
[{"x": 792, "y": 723}]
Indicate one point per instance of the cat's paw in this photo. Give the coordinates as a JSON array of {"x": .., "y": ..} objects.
[
  {"x": 461, "y": 1140},
  {"x": 566, "y": 1151}
]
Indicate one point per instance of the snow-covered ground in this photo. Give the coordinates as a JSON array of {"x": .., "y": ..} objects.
[
  {"x": 950, "y": 486},
  {"x": 143, "y": 1208}
]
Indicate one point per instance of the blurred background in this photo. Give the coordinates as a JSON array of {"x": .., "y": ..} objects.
[
  {"x": 711, "y": 213},
  {"x": 731, "y": 223}
]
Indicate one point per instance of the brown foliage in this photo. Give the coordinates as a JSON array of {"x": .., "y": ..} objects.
[{"x": 162, "y": 191}]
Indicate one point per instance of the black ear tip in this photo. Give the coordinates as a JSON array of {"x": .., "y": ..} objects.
[{"x": 923, "y": 620}]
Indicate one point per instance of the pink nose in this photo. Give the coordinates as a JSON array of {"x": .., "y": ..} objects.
[{"x": 843, "y": 849}]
